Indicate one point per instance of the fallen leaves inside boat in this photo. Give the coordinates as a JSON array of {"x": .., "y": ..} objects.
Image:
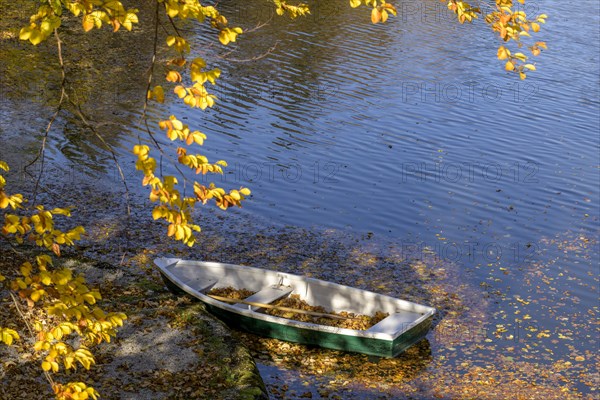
[{"x": 282, "y": 308}]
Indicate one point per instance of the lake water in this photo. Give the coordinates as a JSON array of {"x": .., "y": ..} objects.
[
  {"x": 397, "y": 131},
  {"x": 410, "y": 132}
]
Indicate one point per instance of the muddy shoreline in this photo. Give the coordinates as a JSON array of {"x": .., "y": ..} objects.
[{"x": 459, "y": 351}]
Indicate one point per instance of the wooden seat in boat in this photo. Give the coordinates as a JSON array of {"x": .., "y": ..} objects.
[
  {"x": 394, "y": 322},
  {"x": 200, "y": 284},
  {"x": 266, "y": 296}
]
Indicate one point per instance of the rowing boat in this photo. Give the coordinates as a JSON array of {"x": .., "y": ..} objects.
[{"x": 406, "y": 324}]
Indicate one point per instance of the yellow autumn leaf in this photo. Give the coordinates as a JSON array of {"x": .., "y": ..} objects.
[
  {"x": 177, "y": 125},
  {"x": 157, "y": 93},
  {"x": 116, "y": 319},
  {"x": 36, "y": 295},
  {"x": 390, "y": 7},
  {"x": 57, "y": 333},
  {"x": 88, "y": 24},
  {"x": 197, "y": 64},
  {"x": 143, "y": 150},
  {"x": 384, "y": 15},
  {"x": 503, "y": 53},
  {"x": 157, "y": 213},
  {"x": 223, "y": 37},
  {"x": 179, "y": 233},
  {"x": 25, "y": 269},
  {"x": 520, "y": 56},
  {"x": 7, "y": 335},
  {"x": 24, "y": 34},
  {"x": 171, "y": 10},
  {"x": 68, "y": 361},
  {"x": 173, "y": 76},
  {"x": 130, "y": 19},
  {"x": 180, "y": 91},
  {"x": 4, "y": 201},
  {"x": 375, "y": 16},
  {"x": 35, "y": 37},
  {"x": 89, "y": 298},
  {"x": 197, "y": 137},
  {"x": 235, "y": 195},
  {"x": 212, "y": 76}
]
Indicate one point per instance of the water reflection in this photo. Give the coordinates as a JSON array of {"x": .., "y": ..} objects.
[
  {"x": 104, "y": 82},
  {"x": 333, "y": 373}
]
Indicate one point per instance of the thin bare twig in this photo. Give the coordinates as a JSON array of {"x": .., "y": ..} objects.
[
  {"x": 79, "y": 112},
  {"x": 14, "y": 299},
  {"x": 46, "y": 374},
  {"x": 63, "y": 95},
  {"x": 258, "y": 26},
  {"x": 31, "y": 334},
  {"x": 12, "y": 246},
  {"x": 83, "y": 118},
  {"x": 174, "y": 26},
  {"x": 269, "y": 51},
  {"x": 144, "y": 115}
]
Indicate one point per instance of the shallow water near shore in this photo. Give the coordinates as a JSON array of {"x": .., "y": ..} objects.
[{"x": 381, "y": 157}]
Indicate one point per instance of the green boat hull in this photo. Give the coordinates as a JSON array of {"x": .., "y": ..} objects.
[
  {"x": 406, "y": 324},
  {"x": 335, "y": 341}
]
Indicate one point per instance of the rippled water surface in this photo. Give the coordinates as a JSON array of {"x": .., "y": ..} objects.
[{"x": 411, "y": 132}]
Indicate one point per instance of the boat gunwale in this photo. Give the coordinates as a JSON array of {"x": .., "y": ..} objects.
[{"x": 164, "y": 263}]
